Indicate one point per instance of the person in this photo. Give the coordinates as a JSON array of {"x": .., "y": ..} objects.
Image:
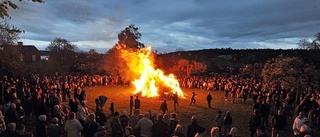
[
  {"x": 173, "y": 121},
  {"x": 137, "y": 103},
  {"x": 112, "y": 108},
  {"x": 227, "y": 122},
  {"x": 219, "y": 120},
  {"x": 10, "y": 131},
  {"x": 265, "y": 111},
  {"x": 82, "y": 112},
  {"x": 297, "y": 123},
  {"x": 306, "y": 128},
  {"x": 178, "y": 132},
  {"x": 54, "y": 130},
  {"x": 2, "y": 123},
  {"x": 194, "y": 128},
  {"x": 21, "y": 131},
  {"x": 193, "y": 99},
  {"x": 145, "y": 125},
  {"x": 128, "y": 132},
  {"x": 124, "y": 119},
  {"x": 12, "y": 115},
  {"x": 215, "y": 132},
  {"x": 233, "y": 132},
  {"x": 279, "y": 122},
  {"x": 255, "y": 122},
  {"x": 58, "y": 113},
  {"x": 260, "y": 132},
  {"x": 101, "y": 117},
  {"x": 73, "y": 127},
  {"x": 90, "y": 126},
  {"x": 209, "y": 98},
  {"x": 164, "y": 107},
  {"x": 159, "y": 127},
  {"x": 175, "y": 101},
  {"x": 116, "y": 126},
  {"x": 131, "y": 104},
  {"x": 41, "y": 127}
]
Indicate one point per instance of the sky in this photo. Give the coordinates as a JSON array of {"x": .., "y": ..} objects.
[{"x": 170, "y": 25}]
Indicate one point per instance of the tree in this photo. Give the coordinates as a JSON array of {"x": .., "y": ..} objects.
[
  {"x": 9, "y": 34},
  {"x": 289, "y": 72},
  {"x": 6, "y": 4},
  {"x": 62, "y": 54},
  {"x": 252, "y": 70},
  {"x": 128, "y": 40},
  {"x": 314, "y": 44},
  {"x": 11, "y": 56},
  {"x": 129, "y": 37},
  {"x": 90, "y": 62},
  {"x": 186, "y": 67}
]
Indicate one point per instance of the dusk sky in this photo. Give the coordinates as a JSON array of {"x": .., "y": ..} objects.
[{"x": 168, "y": 25}]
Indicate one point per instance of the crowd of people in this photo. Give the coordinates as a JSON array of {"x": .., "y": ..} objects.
[{"x": 61, "y": 102}]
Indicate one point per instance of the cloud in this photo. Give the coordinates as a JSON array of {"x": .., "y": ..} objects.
[{"x": 168, "y": 25}]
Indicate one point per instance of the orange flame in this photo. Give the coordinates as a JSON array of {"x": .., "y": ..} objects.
[{"x": 152, "y": 81}]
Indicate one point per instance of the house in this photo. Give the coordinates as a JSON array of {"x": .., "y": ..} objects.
[{"x": 29, "y": 53}]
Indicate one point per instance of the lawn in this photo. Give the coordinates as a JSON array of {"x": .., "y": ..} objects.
[{"x": 120, "y": 95}]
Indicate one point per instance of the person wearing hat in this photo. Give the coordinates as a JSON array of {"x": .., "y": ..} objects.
[
  {"x": 194, "y": 128},
  {"x": 54, "y": 130},
  {"x": 41, "y": 127}
]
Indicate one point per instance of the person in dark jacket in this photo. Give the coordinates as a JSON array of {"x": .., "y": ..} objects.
[
  {"x": 194, "y": 128},
  {"x": 54, "y": 130},
  {"x": 265, "y": 111},
  {"x": 12, "y": 115},
  {"x": 227, "y": 122},
  {"x": 10, "y": 131},
  {"x": 164, "y": 107},
  {"x": 209, "y": 98},
  {"x": 137, "y": 103},
  {"x": 116, "y": 126},
  {"x": 159, "y": 128},
  {"x": 178, "y": 132},
  {"x": 41, "y": 127},
  {"x": 124, "y": 120},
  {"x": 73, "y": 105},
  {"x": 100, "y": 117},
  {"x": 90, "y": 126},
  {"x": 255, "y": 122},
  {"x": 172, "y": 124},
  {"x": 279, "y": 122}
]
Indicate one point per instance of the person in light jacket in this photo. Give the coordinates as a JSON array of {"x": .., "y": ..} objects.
[{"x": 73, "y": 127}]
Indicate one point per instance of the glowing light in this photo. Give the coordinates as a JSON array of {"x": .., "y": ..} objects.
[{"x": 151, "y": 82}]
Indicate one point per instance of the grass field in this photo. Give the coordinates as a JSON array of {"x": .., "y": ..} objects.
[{"x": 120, "y": 95}]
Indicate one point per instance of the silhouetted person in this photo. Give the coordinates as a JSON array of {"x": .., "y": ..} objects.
[
  {"x": 164, "y": 107},
  {"x": 137, "y": 103},
  {"x": 112, "y": 108},
  {"x": 175, "y": 101},
  {"x": 209, "y": 98},
  {"x": 131, "y": 104},
  {"x": 193, "y": 100}
]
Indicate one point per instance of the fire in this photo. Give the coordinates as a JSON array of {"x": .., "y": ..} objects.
[{"x": 152, "y": 82}]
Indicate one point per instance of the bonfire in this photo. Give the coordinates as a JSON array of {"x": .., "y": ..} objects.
[{"x": 150, "y": 82}]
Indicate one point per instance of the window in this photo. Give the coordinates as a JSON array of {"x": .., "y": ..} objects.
[{"x": 34, "y": 58}]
